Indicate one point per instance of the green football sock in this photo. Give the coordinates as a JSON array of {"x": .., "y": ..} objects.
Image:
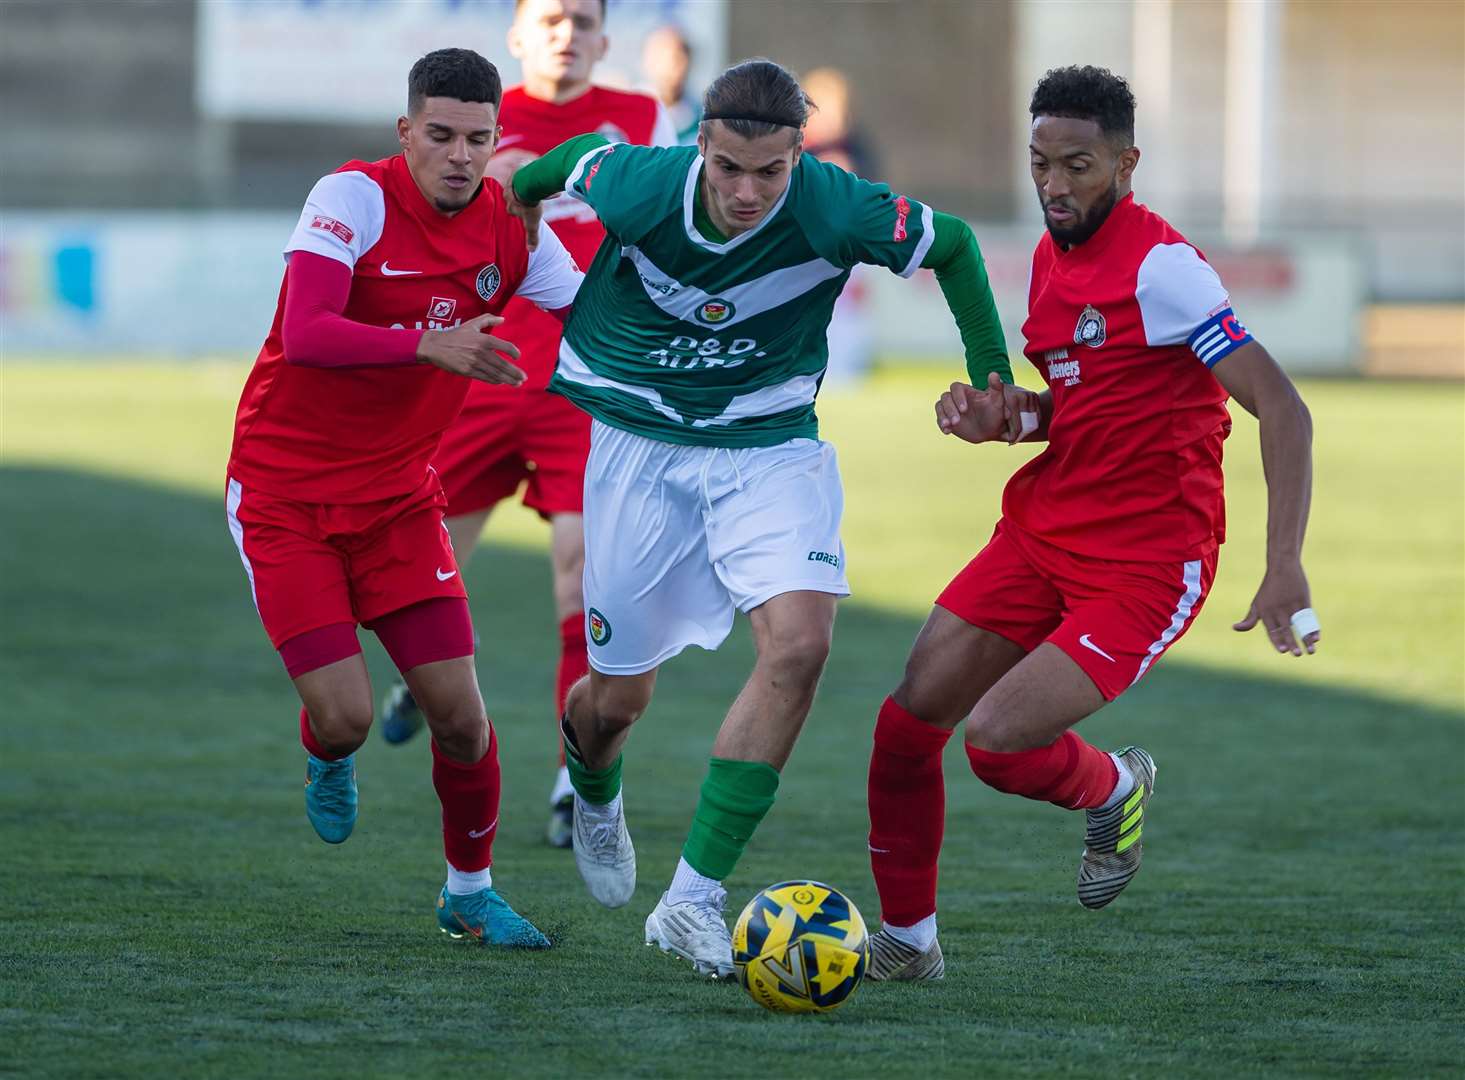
[
  {"x": 735, "y": 796},
  {"x": 595, "y": 786}
]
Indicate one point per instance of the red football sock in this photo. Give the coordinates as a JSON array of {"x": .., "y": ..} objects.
[
  {"x": 574, "y": 666},
  {"x": 907, "y": 813},
  {"x": 470, "y": 798},
  {"x": 307, "y": 739},
  {"x": 1068, "y": 773}
]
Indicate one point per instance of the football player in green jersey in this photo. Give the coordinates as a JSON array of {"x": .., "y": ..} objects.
[{"x": 697, "y": 344}]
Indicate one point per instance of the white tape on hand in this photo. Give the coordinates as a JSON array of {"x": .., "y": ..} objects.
[
  {"x": 1029, "y": 424},
  {"x": 1305, "y": 622}
]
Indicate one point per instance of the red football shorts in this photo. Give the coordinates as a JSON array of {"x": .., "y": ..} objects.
[
  {"x": 506, "y": 435},
  {"x": 315, "y": 564},
  {"x": 1115, "y": 619}
]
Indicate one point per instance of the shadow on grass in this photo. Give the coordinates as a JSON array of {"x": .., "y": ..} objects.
[{"x": 1303, "y": 878}]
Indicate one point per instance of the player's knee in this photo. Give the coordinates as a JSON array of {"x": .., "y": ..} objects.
[
  {"x": 462, "y": 734},
  {"x": 341, "y": 726},
  {"x": 799, "y": 654},
  {"x": 987, "y": 729}
]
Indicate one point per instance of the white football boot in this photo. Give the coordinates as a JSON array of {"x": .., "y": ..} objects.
[
  {"x": 603, "y": 852},
  {"x": 695, "y": 931}
]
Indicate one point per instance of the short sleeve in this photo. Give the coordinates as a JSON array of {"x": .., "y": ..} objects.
[
  {"x": 343, "y": 218},
  {"x": 1182, "y": 300},
  {"x": 552, "y": 279},
  {"x": 856, "y": 221}
]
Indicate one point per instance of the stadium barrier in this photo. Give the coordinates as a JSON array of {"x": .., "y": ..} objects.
[{"x": 205, "y": 284}]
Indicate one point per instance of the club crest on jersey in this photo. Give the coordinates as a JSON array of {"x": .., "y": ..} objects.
[
  {"x": 599, "y": 627},
  {"x": 440, "y": 309},
  {"x": 1091, "y": 329},
  {"x": 488, "y": 281},
  {"x": 715, "y": 312}
]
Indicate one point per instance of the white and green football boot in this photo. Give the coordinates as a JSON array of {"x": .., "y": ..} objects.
[{"x": 1112, "y": 842}]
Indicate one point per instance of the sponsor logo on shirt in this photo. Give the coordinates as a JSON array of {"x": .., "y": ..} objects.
[
  {"x": 1067, "y": 370},
  {"x": 687, "y": 352},
  {"x": 440, "y": 309},
  {"x": 599, "y": 627},
  {"x": 1091, "y": 329},
  {"x": 902, "y": 211},
  {"x": 488, "y": 281},
  {"x": 715, "y": 311},
  {"x": 331, "y": 225}
]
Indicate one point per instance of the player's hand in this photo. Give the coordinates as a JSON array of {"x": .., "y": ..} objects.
[
  {"x": 504, "y": 164},
  {"x": 1283, "y": 592},
  {"x": 984, "y": 415},
  {"x": 470, "y": 350},
  {"x": 529, "y": 213}
]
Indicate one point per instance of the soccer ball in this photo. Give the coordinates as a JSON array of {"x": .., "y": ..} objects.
[{"x": 800, "y": 946}]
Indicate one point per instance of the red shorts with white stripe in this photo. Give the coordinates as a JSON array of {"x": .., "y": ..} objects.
[
  {"x": 316, "y": 564},
  {"x": 506, "y": 436},
  {"x": 1115, "y": 619}
]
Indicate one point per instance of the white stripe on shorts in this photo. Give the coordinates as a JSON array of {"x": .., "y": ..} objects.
[
  {"x": 1191, "y": 581},
  {"x": 236, "y": 530}
]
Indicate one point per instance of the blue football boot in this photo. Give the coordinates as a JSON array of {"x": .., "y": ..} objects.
[
  {"x": 330, "y": 796},
  {"x": 401, "y": 718},
  {"x": 485, "y": 917}
]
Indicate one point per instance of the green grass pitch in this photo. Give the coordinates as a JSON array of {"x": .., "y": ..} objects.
[{"x": 166, "y": 909}]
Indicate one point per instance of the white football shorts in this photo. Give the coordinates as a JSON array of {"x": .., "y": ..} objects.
[{"x": 676, "y": 537}]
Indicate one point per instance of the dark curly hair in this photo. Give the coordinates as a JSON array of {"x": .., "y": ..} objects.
[
  {"x": 1087, "y": 93},
  {"x": 453, "y": 73}
]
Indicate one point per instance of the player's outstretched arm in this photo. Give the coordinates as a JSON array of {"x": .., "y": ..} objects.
[
  {"x": 314, "y": 331},
  {"x": 471, "y": 350},
  {"x": 544, "y": 178},
  {"x": 1283, "y": 602}
]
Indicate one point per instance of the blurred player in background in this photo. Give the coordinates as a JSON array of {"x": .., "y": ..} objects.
[
  {"x": 698, "y": 344},
  {"x": 666, "y": 61},
  {"x": 832, "y": 136},
  {"x": 511, "y": 437},
  {"x": 393, "y": 273},
  {"x": 1108, "y": 539}
]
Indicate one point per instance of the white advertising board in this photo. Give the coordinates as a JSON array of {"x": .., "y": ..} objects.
[
  {"x": 191, "y": 284},
  {"x": 347, "y": 60}
]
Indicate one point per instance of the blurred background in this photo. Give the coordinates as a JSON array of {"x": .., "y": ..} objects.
[{"x": 157, "y": 151}]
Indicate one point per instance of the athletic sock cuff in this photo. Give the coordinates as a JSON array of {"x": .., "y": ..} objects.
[
  {"x": 907, "y": 735},
  {"x": 439, "y": 758},
  {"x": 735, "y": 797},
  {"x": 596, "y": 786}
]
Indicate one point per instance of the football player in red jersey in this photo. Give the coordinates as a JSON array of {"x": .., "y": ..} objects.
[
  {"x": 394, "y": 274},
  {"x": 508, "y": 438},
  {"x": 1108, "y": 539}
]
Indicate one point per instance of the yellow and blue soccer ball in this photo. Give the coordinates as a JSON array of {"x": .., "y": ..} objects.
[{"x": 800, "y": 946}]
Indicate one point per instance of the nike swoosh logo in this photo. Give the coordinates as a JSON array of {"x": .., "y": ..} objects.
[
  {"x": 453, "y": 573},
  {"x": 387, "y": 271},
  {"x": 479, "y": 834},
  {"x": 879, "y": 850},
  {"x": 1087, "y": 644}
]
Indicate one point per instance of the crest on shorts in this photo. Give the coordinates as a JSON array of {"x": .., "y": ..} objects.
[
  {"x": 1091, "y": 329},
  {"x": 599, "y": 627},
  {"x": 715, "y": 311},
  {"x": 488, "y": 281}
]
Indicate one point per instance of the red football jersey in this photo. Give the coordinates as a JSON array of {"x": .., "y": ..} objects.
[
  {"x": 539, "y": 126},
  {"x": 345, "y": 435},
  {"x": 1125, "y": 329}
]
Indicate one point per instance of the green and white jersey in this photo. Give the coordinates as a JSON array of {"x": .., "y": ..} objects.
[{"x": 688, "y": 340}]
